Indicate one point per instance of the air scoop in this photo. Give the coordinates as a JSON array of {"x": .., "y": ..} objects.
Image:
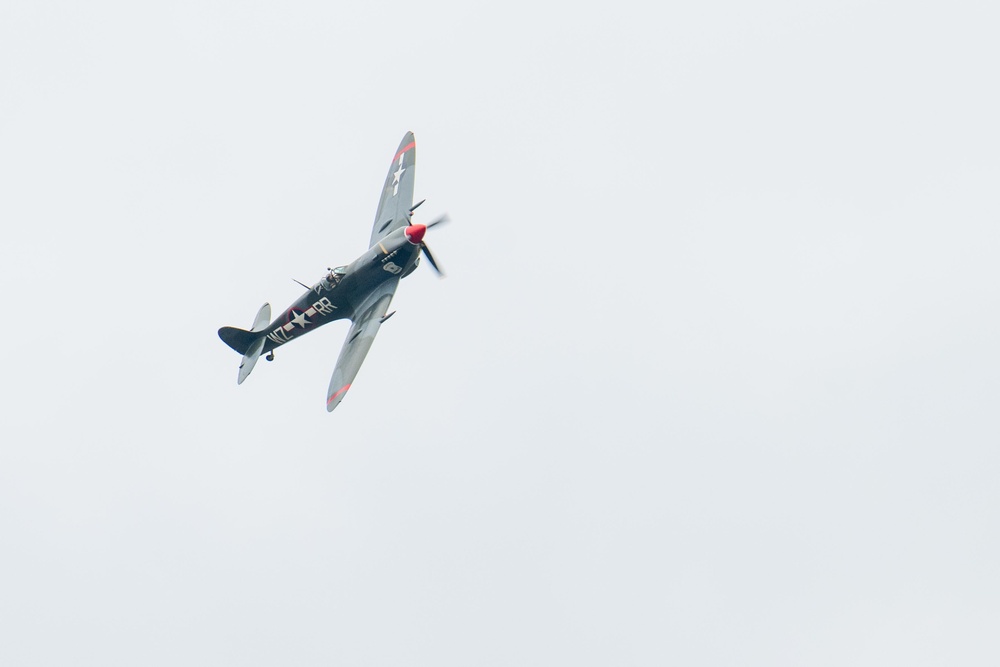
[{"x": 415, "y": 233}]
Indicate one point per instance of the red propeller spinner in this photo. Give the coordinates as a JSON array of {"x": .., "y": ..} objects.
[{"x": 415, "y": 233}]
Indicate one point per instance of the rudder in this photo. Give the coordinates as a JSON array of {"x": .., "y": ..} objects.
[{"x": 238, "y": 339}]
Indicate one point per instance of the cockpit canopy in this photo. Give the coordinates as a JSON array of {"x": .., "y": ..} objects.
[{"x": 336, "y": 275}]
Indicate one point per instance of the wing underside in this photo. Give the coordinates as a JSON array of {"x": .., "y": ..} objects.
[
  {"x": 366, "y": 323},
  {"x": 397, "y": 192}
]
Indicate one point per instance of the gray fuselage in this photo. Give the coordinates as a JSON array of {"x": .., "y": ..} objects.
[{"x": 336, "y": 296}]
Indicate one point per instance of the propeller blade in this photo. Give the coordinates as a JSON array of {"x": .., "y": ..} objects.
[
  {"x": 430, "y": 258},
  {"x": 438, "y": 221}
]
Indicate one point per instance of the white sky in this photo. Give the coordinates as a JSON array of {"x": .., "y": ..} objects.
[{"x": 713, "y": 378}]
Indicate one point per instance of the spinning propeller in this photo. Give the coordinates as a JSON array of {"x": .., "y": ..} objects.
[{"x": 415, "y": 234}]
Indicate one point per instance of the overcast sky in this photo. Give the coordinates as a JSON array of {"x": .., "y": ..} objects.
[{"x": 712, "y": 379}]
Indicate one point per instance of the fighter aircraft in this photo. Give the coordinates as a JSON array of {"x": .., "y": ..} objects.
[{"x": 360, "y": 291}]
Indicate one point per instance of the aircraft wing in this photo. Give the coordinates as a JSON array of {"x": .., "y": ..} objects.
[
  {"x": 397, "y": 193},
  {"x": 366, "y": 322}
]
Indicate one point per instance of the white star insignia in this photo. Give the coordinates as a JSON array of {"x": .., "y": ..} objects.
[
  {"x": 396, "y": 175},
  {"x": 300, "y": 319}
]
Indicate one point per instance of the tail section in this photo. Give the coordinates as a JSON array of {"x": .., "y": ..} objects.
[
  {"x": 248, "y": 343},
  {"x": 238, "y": 339}
]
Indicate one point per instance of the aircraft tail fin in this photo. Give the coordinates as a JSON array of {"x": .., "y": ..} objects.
[
  {"x": 238, "y": 339},
  {"x": 248, "y": 343}
]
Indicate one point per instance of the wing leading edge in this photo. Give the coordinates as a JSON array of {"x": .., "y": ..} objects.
[
  {"x": 397, "y": 192},
  {"x": 366, "y": 323}
]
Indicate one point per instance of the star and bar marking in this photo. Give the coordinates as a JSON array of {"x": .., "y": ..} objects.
[{"x": 298, "y": 317}]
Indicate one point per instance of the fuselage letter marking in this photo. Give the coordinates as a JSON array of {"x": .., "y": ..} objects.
[
  {"x": 324, "y": 307},
  {"x": 279, "y": 336}
]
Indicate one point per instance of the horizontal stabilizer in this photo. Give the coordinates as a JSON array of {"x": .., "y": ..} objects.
[
  {"x": 250, "y": 359},
  {"x": 263, "y": 318}
]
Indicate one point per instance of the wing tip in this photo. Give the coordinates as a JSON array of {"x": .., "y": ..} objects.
[
  {"x": 336, "y": 397},
  {"x": 408, "y": 143}
]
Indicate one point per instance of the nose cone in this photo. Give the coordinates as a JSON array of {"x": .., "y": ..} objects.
[{"x": 415, "y": 233}]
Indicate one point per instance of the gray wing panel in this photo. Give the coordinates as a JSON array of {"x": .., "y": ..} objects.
[
  {"x": 397, "y": 192},
  {"x": 367, "y": 320}
]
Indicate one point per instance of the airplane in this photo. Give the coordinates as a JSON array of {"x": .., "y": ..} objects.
[{"x": 359, "y": 291}]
